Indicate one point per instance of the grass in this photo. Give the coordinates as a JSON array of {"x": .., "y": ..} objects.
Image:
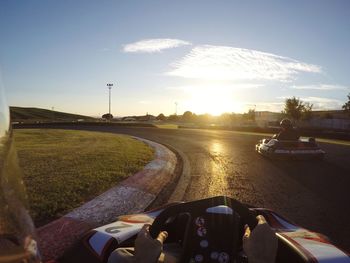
[
  {"x": 21, "y": 114},
  {"x": 63, "y": 169}
]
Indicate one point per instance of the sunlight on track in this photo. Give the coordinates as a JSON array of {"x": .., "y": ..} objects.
[
  {"x": 216, "y": 148},
  {"x": 218, "y": 184}
]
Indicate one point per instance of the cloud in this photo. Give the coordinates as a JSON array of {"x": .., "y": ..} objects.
[
  {"x": 320, "y": 87},
  {"x": 321, "y": 103},
  {"x": 145, "y": 102},
  {"x": 215, "y": 86},
  {"x": 231, "y": 63},
  {"x": 270, "y": 106},
  {"x": 154, "y": 45}
]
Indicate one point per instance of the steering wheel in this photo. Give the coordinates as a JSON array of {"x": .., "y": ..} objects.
[{"x": 214, "y": 230}]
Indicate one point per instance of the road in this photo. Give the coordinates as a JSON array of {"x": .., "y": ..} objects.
[{"x": 313, "y": 194}]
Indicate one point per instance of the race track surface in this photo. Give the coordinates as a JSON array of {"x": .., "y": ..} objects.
[{"x": 313, "y": 194}]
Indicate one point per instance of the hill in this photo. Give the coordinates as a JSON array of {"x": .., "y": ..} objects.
[{"x": 22, "y": 114}]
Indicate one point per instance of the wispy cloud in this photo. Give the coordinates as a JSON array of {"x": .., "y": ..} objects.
[
  {"x": 154, "y": 45},
  {"x": 320, "y": 87},
  {"x": 231, "y": 63},
  {"x": 270, "y": 106},
  {"x": 145, "y": 102},
  {"x": 231, "y": 86},
  {"x": 321, "y": 103}
]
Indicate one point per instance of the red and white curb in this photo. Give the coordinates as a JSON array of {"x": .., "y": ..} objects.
[{"x": 132, "y": 195}]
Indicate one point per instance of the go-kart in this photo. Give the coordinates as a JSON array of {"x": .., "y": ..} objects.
[
  {"x": 296, "y": 149},
  {"x": 208, "y": 230}
]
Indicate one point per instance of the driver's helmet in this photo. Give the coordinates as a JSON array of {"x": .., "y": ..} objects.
[
  {"x": 286, "y": 123},
  {"x": 17, "y": 235}
]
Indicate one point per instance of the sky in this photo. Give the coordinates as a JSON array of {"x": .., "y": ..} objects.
[{"x": 164, "y": 56}]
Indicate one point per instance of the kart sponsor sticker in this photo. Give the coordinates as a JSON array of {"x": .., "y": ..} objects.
[
  {"x": 137, "y": 218},
  {"x": 120, "y": 230},
  {"x": 98, "y": 242}
]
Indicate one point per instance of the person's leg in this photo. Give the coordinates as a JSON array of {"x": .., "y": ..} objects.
[{"x": 122, "y": 255}]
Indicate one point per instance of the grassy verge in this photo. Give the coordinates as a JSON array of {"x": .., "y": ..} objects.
[{"x": 63, "y": 168}]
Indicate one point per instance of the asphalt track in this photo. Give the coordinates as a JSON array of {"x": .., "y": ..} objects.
[{"x": 313, "y": 194}]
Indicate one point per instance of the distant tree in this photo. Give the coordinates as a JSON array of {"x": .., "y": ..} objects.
[
  {"x": 346, "y": 106},
  {"x": 173, "y": 117},
  {"x": 187, "y": 116},
  {"x": 307, "y": 111},
  {"x": 161, "y": 117},
  {"x": 204, "y": 118},
  {"x": 250, "y": 115},
  {"x": 107, "y": 116},
  {"x": 228, "y": 119},
  {"x": 225, "y": 118},
  {"x": 296, "y": 109}
]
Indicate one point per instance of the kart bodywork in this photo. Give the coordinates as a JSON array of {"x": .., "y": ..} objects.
[
  {"x": 298, "y": 149},
  {"x": 295, "y": 244}
]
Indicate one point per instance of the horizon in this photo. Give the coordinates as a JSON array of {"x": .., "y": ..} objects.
[
  {"x": 174, "y": 57},
  {"x": 157, "y": 114}
]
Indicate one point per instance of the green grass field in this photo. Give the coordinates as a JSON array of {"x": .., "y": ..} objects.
[
  {"x": 37, "y": 114},
  {"x": 63, "y": 169}
]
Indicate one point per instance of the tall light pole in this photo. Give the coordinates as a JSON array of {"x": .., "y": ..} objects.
[
  {"x": 109, "y": 86},
  {"x": 175, "y": 108}
]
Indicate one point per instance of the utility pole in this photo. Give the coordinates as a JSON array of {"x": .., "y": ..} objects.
[
  {"x": 175, "y": 108},
  {"x": 109, "y": 86}
]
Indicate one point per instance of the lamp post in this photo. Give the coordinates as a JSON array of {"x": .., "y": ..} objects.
[{"x": 109, "y": 86}]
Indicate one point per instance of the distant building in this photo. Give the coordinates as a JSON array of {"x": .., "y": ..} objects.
[
  {"x": 332, "y": 119},
  {"x": 147, "y": 117},
  {"x": 330, "y": 114},
  {"x": 129, "y": 119}
]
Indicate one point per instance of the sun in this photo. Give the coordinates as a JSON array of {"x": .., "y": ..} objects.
[{"x": 214, "y": 101}]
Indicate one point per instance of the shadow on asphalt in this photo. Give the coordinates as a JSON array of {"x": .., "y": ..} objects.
[
  {"x": 331, "y": 183},
  {"x": 319, "y": 177}
]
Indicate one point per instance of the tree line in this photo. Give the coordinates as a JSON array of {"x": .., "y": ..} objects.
[{"x": 294, "y": 108}]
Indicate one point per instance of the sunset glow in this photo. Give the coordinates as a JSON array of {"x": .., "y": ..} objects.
[
  {"x": 212, "y": 100},
  {"x": 230, "y": 56}
]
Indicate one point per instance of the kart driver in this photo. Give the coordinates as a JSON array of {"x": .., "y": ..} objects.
[
  {"x": 287, "y": 133},
  {"x": 259, "y": 245},
  {"x": 17, "y": 239}
]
